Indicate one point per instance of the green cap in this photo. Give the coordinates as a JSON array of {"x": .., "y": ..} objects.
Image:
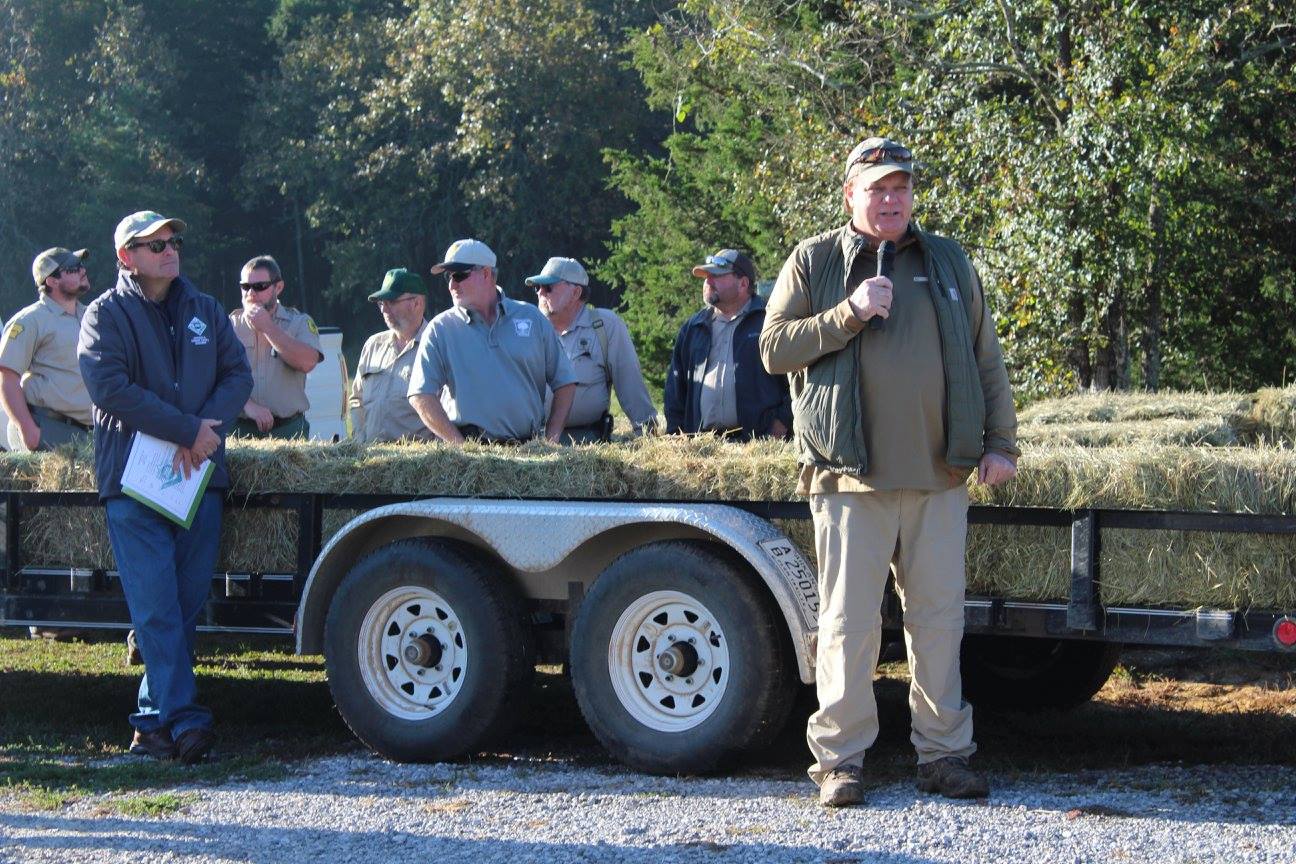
[
  {"x": 52, "y": 259},
  {"x": 397, "y": 282},
  {"x": 142, "y": 224}
]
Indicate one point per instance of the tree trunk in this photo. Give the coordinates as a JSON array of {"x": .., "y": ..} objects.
[{"x": 1153, "y": 315}]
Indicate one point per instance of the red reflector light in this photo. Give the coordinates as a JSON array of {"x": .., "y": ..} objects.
[{"x": 1284, "y": 632}]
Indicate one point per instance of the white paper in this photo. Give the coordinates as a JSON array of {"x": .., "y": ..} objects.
[{"x": 149, "y": 478}]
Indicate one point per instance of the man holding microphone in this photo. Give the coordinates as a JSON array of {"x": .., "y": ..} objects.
[{"x": 899, "y": 392}]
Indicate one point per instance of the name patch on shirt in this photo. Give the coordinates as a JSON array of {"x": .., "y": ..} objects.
[{"x": 522, "y": 327}]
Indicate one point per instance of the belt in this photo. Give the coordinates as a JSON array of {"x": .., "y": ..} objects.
[
  {"x": 476, "y": 433},
  {"x": 602, "y": 429},
  {"x": 284, "y": 421},
  {"x": 40, "y": 411}
]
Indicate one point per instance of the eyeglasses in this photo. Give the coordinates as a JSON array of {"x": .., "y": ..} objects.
[
  {"x": 882, "y": 155},
  {"x": 156, "y": 246},
  {"x": 74, "y": 270},
  {"x": 461, "y": 275},
  {"x": 387, "y": 304},
  {"x": 257, "y": 287}
]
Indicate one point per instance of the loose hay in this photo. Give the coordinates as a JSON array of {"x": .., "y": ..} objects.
[{"x": 1138, "y": 567}]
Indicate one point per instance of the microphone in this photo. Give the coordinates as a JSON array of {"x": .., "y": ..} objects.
[{"x": 886, "y": 261}]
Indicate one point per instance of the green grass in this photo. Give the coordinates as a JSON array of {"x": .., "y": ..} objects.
[{"x": 63, "y": 716}]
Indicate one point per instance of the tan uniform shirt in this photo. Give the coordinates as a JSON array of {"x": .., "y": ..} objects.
[
  {"x": 380, "y": 410},
  {"x": 902, "y": 380},
  {"x": 276, "y": 385},
  {"x": 593, "y": 389},
  {"x": 40, "y": 344},
  {"x": 718, "y": 401}
]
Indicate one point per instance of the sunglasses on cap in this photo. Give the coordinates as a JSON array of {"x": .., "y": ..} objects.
[
  {"x": 257, "y": 287},
  {"x": 883, "y": 155},
  {"x": 725, "y": 259},
  {"x": 156, "y": 246}
]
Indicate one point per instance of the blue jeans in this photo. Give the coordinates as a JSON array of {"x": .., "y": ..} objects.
[{"x": 166, "y": 573}]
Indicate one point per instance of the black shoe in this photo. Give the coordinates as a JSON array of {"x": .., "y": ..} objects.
[
  {"x": 155, "y": 745},
  {"x": 195, "y": 745}
]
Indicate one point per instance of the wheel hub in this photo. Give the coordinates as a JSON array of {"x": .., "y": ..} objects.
[
  {"x": 424, "y": 651},
  {"x": 680, "y": 660},
  {"x": 668, "y": 661},
  {"x": 412, "y": 652}
]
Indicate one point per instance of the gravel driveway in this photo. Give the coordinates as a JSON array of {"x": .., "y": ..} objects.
[{"x": 358, "y": 808}]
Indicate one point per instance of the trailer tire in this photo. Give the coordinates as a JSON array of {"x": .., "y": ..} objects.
[
  {"x": 428, "y": 654},
  {"x": 1016, "y": 673},
  {"x": 695, "y": 607}
]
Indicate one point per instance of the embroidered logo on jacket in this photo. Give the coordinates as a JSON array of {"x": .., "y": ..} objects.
[{"x": 522, "y": 328}]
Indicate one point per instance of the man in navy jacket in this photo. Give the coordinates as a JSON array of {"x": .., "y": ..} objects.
[
  {"x": 716, "y": 382},
  {"x": 160, "y": 357}
]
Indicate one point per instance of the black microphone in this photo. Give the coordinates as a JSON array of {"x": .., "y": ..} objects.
[{"x": 886, "y": 261}]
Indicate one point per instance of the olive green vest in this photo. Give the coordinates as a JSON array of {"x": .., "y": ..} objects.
[{"x": 826, "y": 396}]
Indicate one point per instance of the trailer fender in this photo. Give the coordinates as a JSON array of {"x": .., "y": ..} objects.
[{"x": 576, "y": 538}]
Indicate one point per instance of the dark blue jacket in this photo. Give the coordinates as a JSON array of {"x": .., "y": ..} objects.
[
  {"x": 762, "y": 398},
  {"x": 160, "y": 368}
]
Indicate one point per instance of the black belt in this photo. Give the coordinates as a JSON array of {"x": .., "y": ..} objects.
[
  {"x": 39, "y": 411},
  {"x": 602, "y": 429},
  {"x": 473, "y": 432}
]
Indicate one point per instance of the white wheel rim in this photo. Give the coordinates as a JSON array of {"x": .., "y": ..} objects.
[
  {"x": 405, "y": 620},
  {"x": 651, "y": 627}
]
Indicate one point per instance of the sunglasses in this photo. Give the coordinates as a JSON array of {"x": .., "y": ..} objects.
[
  {"x": 883, "y": 155},
  {"x": 545, "y": 289},
  {"x": 70, "y": 271},
  {"x": 257, "y": 287},
  {"x": 156, "y": 246},
  {"x": 461, "y": 275}
]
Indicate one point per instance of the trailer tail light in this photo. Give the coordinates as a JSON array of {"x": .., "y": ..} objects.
[{"x": 1284, "y": 632}]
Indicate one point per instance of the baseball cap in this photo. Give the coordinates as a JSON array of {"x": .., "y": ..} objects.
[
  {"x": 397, "y": 282},
  {"x": 876, "y": 157},
  {"x": 727, "y": 261},
  {"x": 52, "y": 259},
  {"x": 142, "y": 224},
  {"x": 465, "y": 255},
  {"x": 560, "y": 270}
]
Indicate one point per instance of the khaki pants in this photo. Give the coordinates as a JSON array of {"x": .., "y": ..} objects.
[{"x": 858, "y": 538}]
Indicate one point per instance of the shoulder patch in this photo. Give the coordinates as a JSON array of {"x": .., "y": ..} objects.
[
  {"x": 15, "y": 330},
  {"x": 310, "y": 325}
]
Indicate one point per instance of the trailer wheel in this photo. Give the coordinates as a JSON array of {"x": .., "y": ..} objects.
[
  {"x": 427, "y": 654},
  {"x": 1026, "y": 674},
  {"x": 679, "y": 659}
]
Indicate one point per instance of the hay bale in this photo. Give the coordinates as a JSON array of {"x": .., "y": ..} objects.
[
  {"x": 1203, "y": 432},
  {"x": 1160, "y": 568}
]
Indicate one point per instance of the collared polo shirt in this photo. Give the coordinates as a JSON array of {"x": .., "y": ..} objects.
[
  {"x": 719, "y": 398},
  {"x": 276, "y": 385},
  {"x": 40, "y": 344},
  {"x": 492, "y": 375},
  {"x": 584, "y": 349},
  {"x": 380, "y": 408}
]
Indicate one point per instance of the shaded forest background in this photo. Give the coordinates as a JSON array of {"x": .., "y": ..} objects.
[{"x": 1123, "y": 173}]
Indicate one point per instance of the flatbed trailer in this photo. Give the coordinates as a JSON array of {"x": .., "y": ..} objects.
[{"x": 686, "y": 625}]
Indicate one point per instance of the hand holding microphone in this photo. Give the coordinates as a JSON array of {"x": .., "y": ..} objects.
[{"x": 872, "y": 299}]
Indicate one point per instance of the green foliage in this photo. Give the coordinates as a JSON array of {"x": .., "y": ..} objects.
[
  {"x": 448, "y": 120},
  {"x": 1120, "y": 174}
]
